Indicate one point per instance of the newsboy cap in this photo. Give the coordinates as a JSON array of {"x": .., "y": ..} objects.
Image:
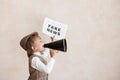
[{"x": 24, "y": 40}]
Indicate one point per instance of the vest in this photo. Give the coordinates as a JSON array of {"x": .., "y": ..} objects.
[{"x": 35, "y": 74}]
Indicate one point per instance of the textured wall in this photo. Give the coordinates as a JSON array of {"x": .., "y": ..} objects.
[{"x": 93, "y": 37}]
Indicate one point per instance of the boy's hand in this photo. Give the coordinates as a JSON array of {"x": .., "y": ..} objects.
[
  {"x": 52, "y": 38},
  {"x": 52, "y": 53}
]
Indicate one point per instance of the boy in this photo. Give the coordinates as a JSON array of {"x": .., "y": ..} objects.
[{"x": 39, "y": 68}]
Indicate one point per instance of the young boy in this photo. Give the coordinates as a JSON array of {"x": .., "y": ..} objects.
[{"x": 39, "y": 68}]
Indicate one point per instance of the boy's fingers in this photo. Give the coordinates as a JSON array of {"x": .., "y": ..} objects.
[{"x": 52, "y": 38}]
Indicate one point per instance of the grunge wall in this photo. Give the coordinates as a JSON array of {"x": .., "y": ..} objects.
[{"x": 93, "y": 37}]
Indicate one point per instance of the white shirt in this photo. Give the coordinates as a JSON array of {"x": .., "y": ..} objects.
[{"x": 39, "y": 65}]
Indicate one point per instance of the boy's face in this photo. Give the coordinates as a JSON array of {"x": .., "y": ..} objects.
[{"x": 38, "y": 44}]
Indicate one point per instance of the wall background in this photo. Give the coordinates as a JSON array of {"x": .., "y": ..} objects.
[{"x": 93, "y": 37}]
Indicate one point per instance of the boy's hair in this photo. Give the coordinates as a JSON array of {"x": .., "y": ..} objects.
[{"x": 27, "y": 42}]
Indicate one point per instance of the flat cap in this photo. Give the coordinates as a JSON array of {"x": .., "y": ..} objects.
[{"x": 25, "y": 39}]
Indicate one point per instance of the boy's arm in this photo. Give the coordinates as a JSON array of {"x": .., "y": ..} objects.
[
  {"x": 39, "y": 65},
  {"x": 52, "y": 53}
]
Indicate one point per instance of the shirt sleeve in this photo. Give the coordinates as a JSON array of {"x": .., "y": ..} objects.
[{"x": 39, "y": 65}]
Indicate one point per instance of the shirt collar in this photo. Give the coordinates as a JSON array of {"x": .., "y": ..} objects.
[{"x": 38, "y": 53}]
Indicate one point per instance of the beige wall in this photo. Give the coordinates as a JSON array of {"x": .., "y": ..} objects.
[{"x": 93, "y": 37}]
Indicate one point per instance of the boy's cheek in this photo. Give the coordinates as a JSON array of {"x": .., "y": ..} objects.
[
  {"x": 42, "y": 46},
  {"x": 42, "y": 49}
]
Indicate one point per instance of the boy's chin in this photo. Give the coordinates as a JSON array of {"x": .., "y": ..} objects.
[{"x": 42, "y": 50}]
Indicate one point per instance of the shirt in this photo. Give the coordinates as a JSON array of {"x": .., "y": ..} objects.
[{"x": 39, "y": 65}]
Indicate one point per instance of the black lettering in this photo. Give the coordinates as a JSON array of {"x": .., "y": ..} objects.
[
  {"x": 48, "y": 29},
  {"x": 54, "y": 32},
  {"x": 59, "y": 29},
  {"x": 52, "y": 27},
  {"x": 58, "y": 33},
  {"x": 51, "y": 31},
  {"x": 48, "y": 25},
  {"x": 56, "y": 28}
]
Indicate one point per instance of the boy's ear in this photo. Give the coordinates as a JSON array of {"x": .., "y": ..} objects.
[{"x": 34, "y": 48}]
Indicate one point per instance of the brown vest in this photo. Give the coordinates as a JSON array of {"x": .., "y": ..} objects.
[{"x": 35, "y": 74}]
